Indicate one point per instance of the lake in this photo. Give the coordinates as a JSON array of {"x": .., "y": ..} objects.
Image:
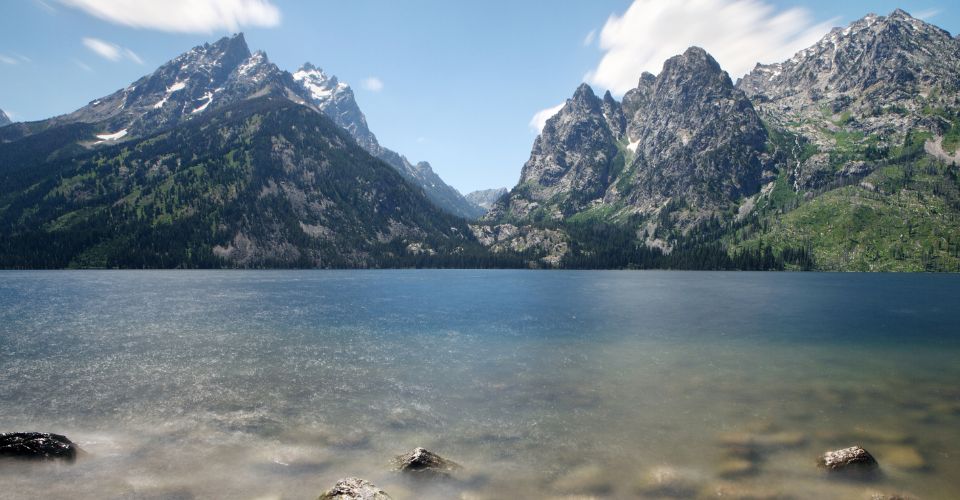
[{"x": 275, "y": 384}]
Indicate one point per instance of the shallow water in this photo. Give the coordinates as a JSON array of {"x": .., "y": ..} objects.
[{"x": 542, "y": 384}]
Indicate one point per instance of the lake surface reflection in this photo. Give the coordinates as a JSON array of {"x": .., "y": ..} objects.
[{"x": 268, "y": 384}]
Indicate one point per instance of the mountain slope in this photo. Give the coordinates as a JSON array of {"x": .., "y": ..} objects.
[
  {"x": 862, "y": 89},
  {"x": 336, "y": 99},
  {"x": 262, "y": 182},
  {"x": 4, "y": 119}
]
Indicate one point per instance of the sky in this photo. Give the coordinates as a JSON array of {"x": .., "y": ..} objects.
[{"x": 462, "y": 84}]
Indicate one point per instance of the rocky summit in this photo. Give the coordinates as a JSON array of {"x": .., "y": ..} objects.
[
  {"x": 863, "y": 86},
  {"x": 843, "y": 157}
]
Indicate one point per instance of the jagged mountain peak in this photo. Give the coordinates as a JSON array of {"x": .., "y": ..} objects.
[
  {"x": 891, "y": 54},
  {"x": 206, "y": 76},
  {"x": 695, "y": 66},
  {"x": 584, "y": 97},
  {"x": 322, "y": 87}
]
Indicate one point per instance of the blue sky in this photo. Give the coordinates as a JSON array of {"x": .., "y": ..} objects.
[{"x": 460, "y": 82}]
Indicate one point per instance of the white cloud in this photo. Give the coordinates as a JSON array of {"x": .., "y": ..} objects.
[
  {"x": 927, "y": 14},
  {"x": 45, "y": 6},
  {"x": 183, "y": 16},
  {"x": 110, "y": 51},
  {"x": 373, "y": 84},
  {"x": 5, "y": 59},
  {"x": 588, "y": 40},
  {"x": 540, "y": 117},
  {"x": 82, "y": 65},
  {"x": 132, "y": 56},
  {"x": 738, "y": 33}
]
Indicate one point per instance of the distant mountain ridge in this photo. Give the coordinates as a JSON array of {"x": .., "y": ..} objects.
[
  {"x": 336, "y": 99},
  {"x": 4, "y": 119},
  {"x": 486, "y": 198}
]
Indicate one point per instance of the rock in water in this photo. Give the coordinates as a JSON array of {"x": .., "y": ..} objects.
[
  {"x": 424, "y": 463},
  {"x": 854, "y": 460},
  {"x": 353, "y": 488},
  {"x": 37, "y": 446}
]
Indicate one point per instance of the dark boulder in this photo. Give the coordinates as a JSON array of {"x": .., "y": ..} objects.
[
  {"x": 424, "y": 463},
  {"x": 37, "y": 446},
  {"x": 852, "y": 461},
  {"x": 353, "y": 488}
]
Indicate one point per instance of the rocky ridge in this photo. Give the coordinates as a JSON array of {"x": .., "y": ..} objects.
[
  {"x": 864, "y": 86},
  {"x": 336, "y": 100},
  {"x": 486, "y": 198},
  {"x": 686, "y": 136}
]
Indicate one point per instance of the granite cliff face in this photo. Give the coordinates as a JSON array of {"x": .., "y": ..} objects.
[
  {"x": 694, "y": 138},
  {"x": 863, "y": 86},
  {"x": 569, "y": 164},
  {"x": 686, "y": 137}
]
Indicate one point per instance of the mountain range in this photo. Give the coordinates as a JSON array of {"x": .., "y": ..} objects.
[{"x": 843, "y": 157}]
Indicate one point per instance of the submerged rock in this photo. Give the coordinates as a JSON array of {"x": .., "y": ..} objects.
[
  {"x": 740, "y": 491},
  {"x": 586, "y": 479},
  {"x": 853, "y": 460},
  {"x": 737, "y": 467},
  {"x": 424, "y": 463},
  {"x": 353, "y": 488},
  {"x": 891, "y": 496},
  {"x": 902, "y": 457},
  {"x": 668, "y": 482},
  {"x": 37, "y": 446}
]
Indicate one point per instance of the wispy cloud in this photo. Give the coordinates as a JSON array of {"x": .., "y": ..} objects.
[
  {"x": 540, "y": 117},
  {"x": 738, "y": 33},
  {"x": 82, "y": 65},
  {"x": 183, "y": 16},
  {"x": 590, "y": 38},
  {"x": 927, "y": 14},
  {"x": 110, "y": 51},
  {"x": 5, "y": 59},
  {"x": 373, "y": 84},
  {"x": 43, "y": 5}
]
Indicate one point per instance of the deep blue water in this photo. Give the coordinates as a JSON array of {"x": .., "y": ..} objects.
[{"x": 278, "y": 383}]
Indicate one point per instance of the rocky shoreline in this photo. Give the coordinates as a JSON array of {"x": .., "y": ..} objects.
[{"x": 745, "y": 452}]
